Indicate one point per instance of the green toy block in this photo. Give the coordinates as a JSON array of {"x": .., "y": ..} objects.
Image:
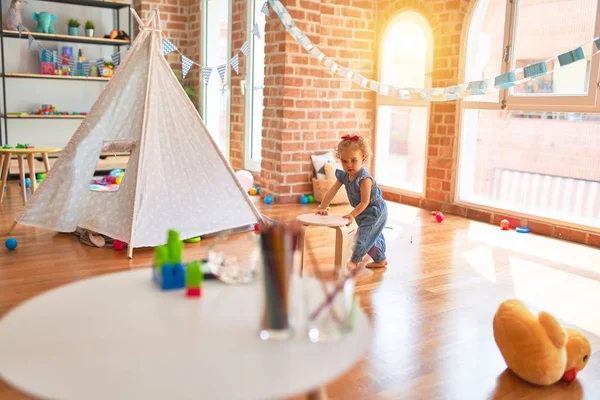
[
  {"x": 193, "y": 274},
  {"x": 161, "y": 256},
  {"x": 175, "y": 247}
]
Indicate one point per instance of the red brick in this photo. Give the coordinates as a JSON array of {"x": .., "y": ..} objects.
[
  {"x": 569, "y": 234},
  {"x": 478, "y": 215},
  {"x": 593, "y": 239}
]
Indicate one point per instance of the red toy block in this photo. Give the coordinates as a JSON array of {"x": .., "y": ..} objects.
[{"x": 193, "y": 292}]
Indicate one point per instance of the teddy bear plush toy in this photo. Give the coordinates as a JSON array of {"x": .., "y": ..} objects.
[
  {"x": 44, "y": 22},
  {"x": 538, "y": 349}
]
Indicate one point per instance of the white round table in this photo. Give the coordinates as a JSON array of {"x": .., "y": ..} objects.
[{"x": 118, "y": 336}]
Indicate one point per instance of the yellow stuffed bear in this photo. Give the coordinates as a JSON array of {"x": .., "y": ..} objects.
[{"x": 538, "y": 350}]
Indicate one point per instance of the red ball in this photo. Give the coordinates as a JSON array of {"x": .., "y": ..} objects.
[
  {"x": 439, "y": 217},
  {"x": 504, "y": 224},
  {"x": 118, "y": 245},
  {"x": 256, "y": 227}
]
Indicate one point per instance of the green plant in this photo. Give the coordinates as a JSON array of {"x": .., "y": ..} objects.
[
  {"x": 188, "y": 90},
  {"x": 73, "y": 23},
  {"x": 89, "y": 25}
]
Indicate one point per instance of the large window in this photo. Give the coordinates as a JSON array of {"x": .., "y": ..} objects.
[
  {"x": 533, "y": 148},
  {"x": 401, "y": 140},
  {"x": 254, "y": 86},
  {"x": 216, "y": 45}
]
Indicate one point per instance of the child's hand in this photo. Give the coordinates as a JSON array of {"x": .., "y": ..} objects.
[
  {"x": 350, "y": 217},
  {"x": 322, "y": 212}
]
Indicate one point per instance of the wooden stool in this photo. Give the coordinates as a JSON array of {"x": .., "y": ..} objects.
[
  {"x": 344, "y": 237},
  {"x": 6, "y": 154}
]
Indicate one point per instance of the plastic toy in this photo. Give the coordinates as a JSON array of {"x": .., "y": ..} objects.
[
  {"x": 522, "y": 230},
  {"x": 117, "y": 34},
  {"x": 252, "y": 192},
  {"x": 257, "y": 189},
  {"x": 12, "y": 18},
  {"x": 311, "y": 198},
  {"x": 504, "y": 224},
  {"x": 168, "y": 270},
  {"x": 268, "y": 200},
  {"x": 7, "y": 146},
  {"x": 25, "y": 146},
  {"x": 11, "y": 243},
  {"x": 44, "y": 22},
  {"x": 193, "y": 279},
  {"x": 27, "y": 183},
  {"x": 256, "y": 228},
  {"x": 118, "y": 245},
  {"x": 304, "y": 200},
  {"x": 439, "y": 217},
  {"x": 196, "y": 239},
  {"x": 538, "y": 349}
]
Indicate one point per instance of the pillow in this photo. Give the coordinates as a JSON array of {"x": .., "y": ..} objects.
[
  {"x": 330, "y": 170},
  {"x": 319, "y": 161}
]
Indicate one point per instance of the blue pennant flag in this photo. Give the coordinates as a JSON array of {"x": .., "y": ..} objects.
[
  {"x": 265, "y": 9},
  {"x": 235, "y": 63},
  {"x": 256, "y": 31},
  {"x": 20, "y": 28},
  {"x": 245, "y": 48},
  {"x": 206, "y": 71},
  {"x": 221, "y": 70},
  {"x": 168, "y": 47},
  {"x": 86, "y": 68},
  {"x": 116, "y": 59},
  {"x": 31, "y": 40},
  {"x": 186, "y": 65},
  {"x": 100, "y": 65}
]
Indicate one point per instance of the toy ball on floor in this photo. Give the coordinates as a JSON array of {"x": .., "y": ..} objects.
[
  {"x": 256, "y": 227},
  {"x": 504, "y": 224},
  {"x": 27, "y": 183},
  {"x": 268, "y": 200},
  {"x": 11, "y": 243},
  {"x": 439, "y": 217},
  {"x": 118, "y": 245},
  {"x": 311, "y": 198},
  {"x": 258, "y": 190},
  {"x": 252, "y": 192},
  {"x": 246, "y": 179},
  {"x": 304, "y": 200}
]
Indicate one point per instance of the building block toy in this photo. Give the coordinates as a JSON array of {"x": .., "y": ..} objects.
[
  {"x": 168, "y": 271},
  {"x": 193, "y": 279}
]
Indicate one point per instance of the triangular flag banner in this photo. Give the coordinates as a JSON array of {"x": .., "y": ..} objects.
[
  {"x": 58, "y": 60},
  {"x": 12, "y": 17},
  {"x": 245, "y": 48},
  {"x": 116, "y": 59},
  {"x": 72, "y": 66},
  {"x": 40, "y": 48},
  {"x": 235, "y": 63},
  {"x": 31, "y": 40},
  {"x": 256, "y": 31},
  {"x": 265, "y": 9},
  {"x": 86, "y": 68},
  {"x": 168, "y": 47},
  {"x": 48, "y": 56},
  {"x": 221, "y": 70},
  {"x": 206, "y": 71},
  {"x": 100, "y": 65},
  {"x": 20, "y": 28},
  {"x": 186, "y": 65}
]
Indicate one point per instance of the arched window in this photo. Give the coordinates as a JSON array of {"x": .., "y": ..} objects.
[
  {"x": 406, "y": 53},
  {"x": 533, "y": 148}
]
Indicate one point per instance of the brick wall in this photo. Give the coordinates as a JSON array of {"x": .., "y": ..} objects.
[
  {"x": 239, "y": 17},
  {"x": 307, "y": 109}
]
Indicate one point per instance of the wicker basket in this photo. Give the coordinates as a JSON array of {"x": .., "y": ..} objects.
[{"x": 320, "y": 188}]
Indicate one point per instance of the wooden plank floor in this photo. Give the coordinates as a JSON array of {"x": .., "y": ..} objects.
[{"x": 431, "y": 309}]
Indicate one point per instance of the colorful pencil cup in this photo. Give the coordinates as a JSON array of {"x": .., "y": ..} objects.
[{"x": 278, "y": 243}]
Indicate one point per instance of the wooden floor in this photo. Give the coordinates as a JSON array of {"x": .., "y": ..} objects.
[{"x": 431, "y": 309}]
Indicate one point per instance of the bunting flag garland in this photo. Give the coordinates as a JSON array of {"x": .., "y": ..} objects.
[
  {"x": 12, "y": 17},
  {"x": 265, "y": 9},
  {"x": 86, "y": 68},
  {"x": 48, "y": 56},
  {"x": 31, "y": 40},
  {"x": 100, "y": 65},
  {"x": 168, "y": 47},
  {"x": 256, "y": 31},
  {"x": 186, "y": 65},
  {"x": 20, "y": 28},
  {"x": 245, "y": 48},
  {"x": 58, "y": 60},
  {"x": 206, "y": 71},
  {"x": 235, "y": 63},
  {"x": 455, "y": 92},
  {"x": 72, "y": 66},
  {"x": 221, "y": 70},
  {"x": 116, "y": 59}
]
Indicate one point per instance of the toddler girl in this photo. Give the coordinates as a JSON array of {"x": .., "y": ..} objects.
[{"x": 370, "y": 210}]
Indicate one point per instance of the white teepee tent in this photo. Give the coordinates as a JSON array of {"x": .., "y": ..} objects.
[{"x": 176, "y": 177}]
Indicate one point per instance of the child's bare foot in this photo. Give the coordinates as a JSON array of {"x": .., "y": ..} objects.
[
  {"x": 379, "y": 264},
  {"x": 352, "y": 266}
]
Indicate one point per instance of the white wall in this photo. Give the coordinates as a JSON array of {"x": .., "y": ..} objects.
[{"x": 29, "y": 94}]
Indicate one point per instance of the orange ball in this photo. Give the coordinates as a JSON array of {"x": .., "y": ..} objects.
[
  {"x": 252, "y": 192},
  {"x": 504, "y": 224}
]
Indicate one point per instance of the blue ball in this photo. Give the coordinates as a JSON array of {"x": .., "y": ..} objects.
[
  {"x": 11, "y": 243},
  {"x": 304, "y": 200},
  {"x": 268, "y": 199},
  {"x": 258, "y": 190},
  {"x": 27, "y": 183}
]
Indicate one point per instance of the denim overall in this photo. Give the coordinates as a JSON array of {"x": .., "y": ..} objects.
[{"x": 371, "y": 221}]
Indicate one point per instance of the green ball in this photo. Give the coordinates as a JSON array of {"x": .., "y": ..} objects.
[{"x": 311, "y": 198}]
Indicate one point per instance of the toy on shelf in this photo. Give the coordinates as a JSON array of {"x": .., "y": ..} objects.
[
  {"x": 25, "y": 146},
  {"x": 538, "y": 349},
  {"x": 44, "y": 22},
  {"x": 12, "y": 18},
  {"x": 108, "y": 69},
  {"x": 168, "y": 271},
  {"x": 193, "y": 279},
  {"x": 117, "y": 35},
  {"x": 7, "y": 146}
]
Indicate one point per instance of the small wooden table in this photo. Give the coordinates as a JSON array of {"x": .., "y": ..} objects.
[
  {"x": 5, "y": 155},
  {"x": 344, "y": 237}
]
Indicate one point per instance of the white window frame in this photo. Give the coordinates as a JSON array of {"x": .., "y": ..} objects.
[
  {"x": 250, "y": 164},
  {"x": 204, "y": 58},
  {"x": 382, "y": 100},
  {"x": 508, "y": 102}
]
